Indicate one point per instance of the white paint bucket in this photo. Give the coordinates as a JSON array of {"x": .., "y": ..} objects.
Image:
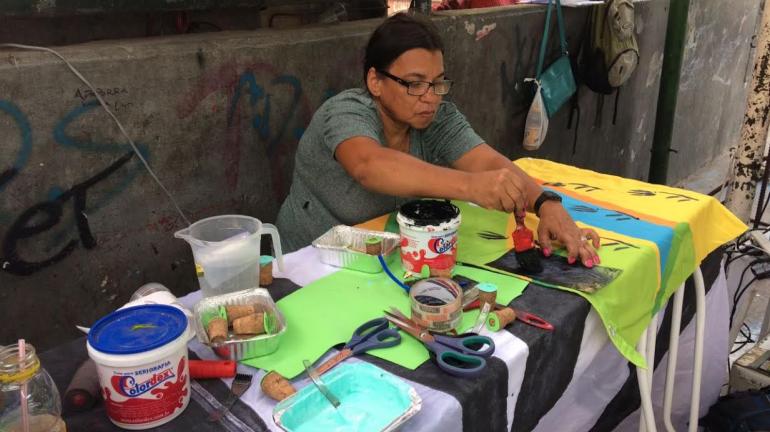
[
  {"x": 429, "y": 236},
  {"x": 141, "y": 358}
]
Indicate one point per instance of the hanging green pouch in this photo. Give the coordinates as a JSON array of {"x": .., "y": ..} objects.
[{"x": 557, "y": 84}]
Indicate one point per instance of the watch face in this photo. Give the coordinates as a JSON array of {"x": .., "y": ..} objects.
[{"x": 551, "y": 196}]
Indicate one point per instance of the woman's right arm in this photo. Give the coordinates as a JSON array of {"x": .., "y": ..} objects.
[{"x": 388, "y": 171}]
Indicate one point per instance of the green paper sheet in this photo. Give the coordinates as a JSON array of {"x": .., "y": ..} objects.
[{"x": 326, "y": 312}]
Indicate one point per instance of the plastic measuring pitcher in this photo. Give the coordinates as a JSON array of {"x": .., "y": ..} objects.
[{"x": 226, "y": 251}]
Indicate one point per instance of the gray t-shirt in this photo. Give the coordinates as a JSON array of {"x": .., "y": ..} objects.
[{"x": 322, "y": 193}]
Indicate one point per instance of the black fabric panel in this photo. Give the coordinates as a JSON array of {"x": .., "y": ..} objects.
[
  {"x": 483, "y": 399},
  {"x": 627, "y": 399},
  {"x": 62, "y": 362},
  {"x": 552, "y": 355},
  {"x": 221, "y": 392},
  {"x": 280, "y": 288},
  {"x": 557, "y": 271}
]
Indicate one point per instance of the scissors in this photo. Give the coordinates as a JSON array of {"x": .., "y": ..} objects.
[
  {"x": 370, "y": 335},
  {"x": 525, "y": 317},
  {"x": 461, "y": 356}
]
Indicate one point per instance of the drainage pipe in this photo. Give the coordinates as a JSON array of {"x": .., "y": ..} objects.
[{"x": 673, "y": 52}]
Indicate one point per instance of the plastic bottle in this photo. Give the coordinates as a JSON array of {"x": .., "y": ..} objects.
[
  {"x": 536, "y": 125},
  {"x": 29, "y": 400}
]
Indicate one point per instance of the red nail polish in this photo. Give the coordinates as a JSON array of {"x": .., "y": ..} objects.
[
  {"x": 547, "y": 252},
  {"x": 570, "y": 260},
  {"x": 589, "y": 263}
]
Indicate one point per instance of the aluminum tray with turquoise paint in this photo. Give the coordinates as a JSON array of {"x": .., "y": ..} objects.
[{"x": 371, "y": 399}]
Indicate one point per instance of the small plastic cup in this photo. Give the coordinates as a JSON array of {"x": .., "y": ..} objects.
[
  {"x": 487, "y": 294},
  {"x": 265, "y": 270}
]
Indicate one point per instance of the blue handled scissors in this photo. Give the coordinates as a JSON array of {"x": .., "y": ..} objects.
[
  {"x": 374, "y": 334},
  {"x": 462, "y": 356}
]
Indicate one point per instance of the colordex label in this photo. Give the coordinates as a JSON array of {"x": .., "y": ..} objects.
[
  {"x": 140, "y": 396},
  {"x": 142, "y": 381}
]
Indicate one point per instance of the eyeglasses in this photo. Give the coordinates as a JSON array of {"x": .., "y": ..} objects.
[{"x": 419, "y": 88}]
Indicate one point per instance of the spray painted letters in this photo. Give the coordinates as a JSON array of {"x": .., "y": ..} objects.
[
  {"x": 273, "y": 103},
  {"x": 47, "y": 215}
]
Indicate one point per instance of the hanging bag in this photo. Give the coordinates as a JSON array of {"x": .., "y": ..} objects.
[
  {"x": 536, "y": 125},
  {"x": 556, "y": 83}
]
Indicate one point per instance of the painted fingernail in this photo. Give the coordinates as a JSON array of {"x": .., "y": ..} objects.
[
  {"x": 588, "y": 263},
  {"x": 546, "y": 252},
  {"x": 570, "y": 260},
  {"x": 597, "y": 260}
]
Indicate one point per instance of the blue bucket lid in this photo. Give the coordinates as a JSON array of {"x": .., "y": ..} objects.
[{"x": 137, "y": 329}]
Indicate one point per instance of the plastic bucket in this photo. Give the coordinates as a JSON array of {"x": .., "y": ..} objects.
[
  {"x": 429, "y": 236},
  {"x": 141, "y": 358}
]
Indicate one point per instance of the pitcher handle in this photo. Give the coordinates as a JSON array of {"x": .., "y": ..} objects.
[{"x": 273, "y": 231}]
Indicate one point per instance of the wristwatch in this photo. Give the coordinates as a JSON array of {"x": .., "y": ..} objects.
[{"x": 545, "y": 196}]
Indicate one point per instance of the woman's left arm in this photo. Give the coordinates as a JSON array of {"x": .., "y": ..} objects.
[{"x": 555, "y": 222}]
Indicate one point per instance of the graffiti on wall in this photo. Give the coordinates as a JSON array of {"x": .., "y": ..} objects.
[
  {"x": 59, "y": 220},
  {"x": 262, "y": 106},
  {"x": 25, "y": 143},
  {"x": 259, "y": 105}
]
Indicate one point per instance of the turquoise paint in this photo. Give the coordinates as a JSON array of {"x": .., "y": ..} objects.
[
  {"x": 487, "y": 287},
  {"x": 370, "y": 400}
]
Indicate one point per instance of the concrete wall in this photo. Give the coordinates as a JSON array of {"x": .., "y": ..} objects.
[
  {"x": 716, "y": 71},
  {"x": 82, "y": 225},
  {"x": 50, "y": 23},
  {"x": 76, "y": 29}
]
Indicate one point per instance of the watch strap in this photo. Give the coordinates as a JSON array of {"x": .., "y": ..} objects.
[{"x": 546, "y": 195}]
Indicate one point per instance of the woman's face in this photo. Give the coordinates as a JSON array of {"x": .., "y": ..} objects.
[{"x": 414, "y": 65}]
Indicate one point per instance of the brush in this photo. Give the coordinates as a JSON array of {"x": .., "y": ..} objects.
[
  {"x": 524, "y": 248},
  {"x": 83, "y": 391}
]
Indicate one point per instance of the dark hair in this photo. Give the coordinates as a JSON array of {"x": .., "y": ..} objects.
[{"x": 395, "y": 36}]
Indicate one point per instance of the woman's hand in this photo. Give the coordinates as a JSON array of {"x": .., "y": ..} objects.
[
  {"x": 556, "y": 224},
  {"x": 499, "y": 189}
]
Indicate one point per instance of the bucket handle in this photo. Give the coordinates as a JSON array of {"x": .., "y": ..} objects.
[{"x": 273, "y": 231}]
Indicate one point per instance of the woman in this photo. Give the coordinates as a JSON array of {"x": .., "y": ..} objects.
[{"x": 366, "y": 151}]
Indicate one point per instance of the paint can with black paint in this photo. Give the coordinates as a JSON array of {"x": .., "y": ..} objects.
[{"x": 428, "y": 231}]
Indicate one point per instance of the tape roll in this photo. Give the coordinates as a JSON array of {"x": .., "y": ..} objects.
[{"x": 437, "y": 304}]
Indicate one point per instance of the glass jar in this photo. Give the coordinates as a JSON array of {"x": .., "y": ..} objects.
[{"x": 25, "y": 380}]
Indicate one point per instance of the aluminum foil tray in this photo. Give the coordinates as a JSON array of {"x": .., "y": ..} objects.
[
  {"x": 370, "y": 399},
  {"x": 246, "y": 348},
  {"x": 344, "y": 246}
]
